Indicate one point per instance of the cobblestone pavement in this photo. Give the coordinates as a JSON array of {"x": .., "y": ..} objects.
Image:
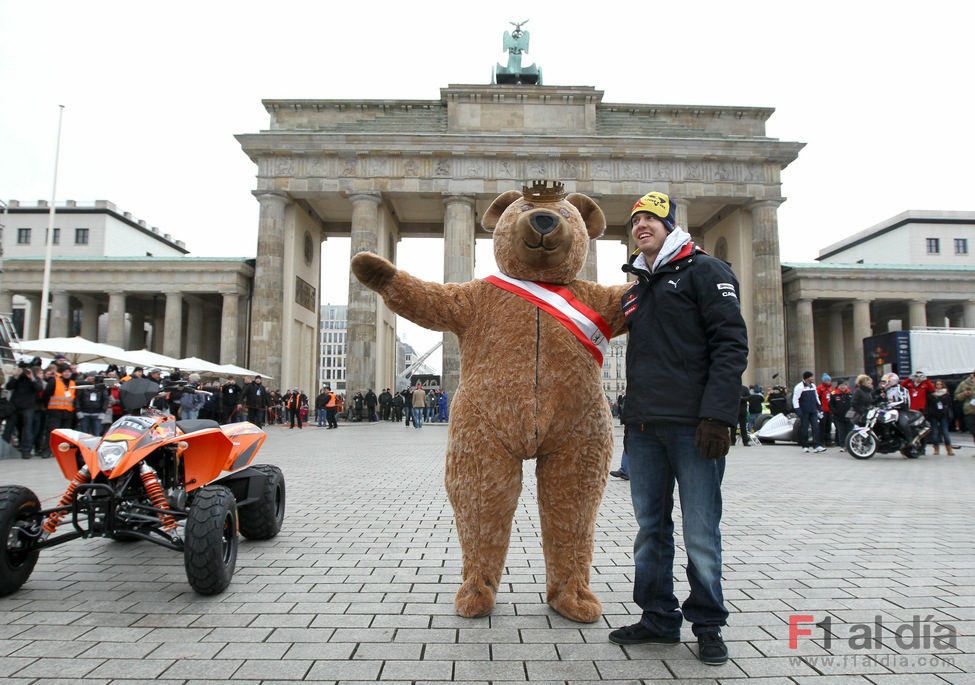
[{"x": 359, "y": 585}]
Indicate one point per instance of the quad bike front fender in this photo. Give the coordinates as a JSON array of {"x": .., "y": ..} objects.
[{"x": 84, "y": 445}]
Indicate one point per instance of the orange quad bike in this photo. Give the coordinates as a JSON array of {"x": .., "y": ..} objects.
[{"x": 152, "y": 478}]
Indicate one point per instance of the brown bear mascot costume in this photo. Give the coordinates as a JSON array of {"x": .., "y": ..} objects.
[{"x": 531, "y": 343}]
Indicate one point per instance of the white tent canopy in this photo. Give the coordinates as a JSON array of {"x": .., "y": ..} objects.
[{"x": 79, "y": 350}]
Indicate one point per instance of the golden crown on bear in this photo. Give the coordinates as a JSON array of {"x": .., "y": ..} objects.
[{"x": 540, "y": 191}]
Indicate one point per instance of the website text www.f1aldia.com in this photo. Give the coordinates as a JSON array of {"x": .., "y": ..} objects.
[{"x": 896, "y": 662}]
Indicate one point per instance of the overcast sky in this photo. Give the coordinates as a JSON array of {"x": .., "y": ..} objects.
[{"x": 881, "y": 93}]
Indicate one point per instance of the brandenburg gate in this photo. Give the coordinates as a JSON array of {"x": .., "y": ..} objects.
[{"x": 383, "y": 170}]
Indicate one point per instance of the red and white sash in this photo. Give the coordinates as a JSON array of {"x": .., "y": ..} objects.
[{"x": 589, "y": 327}]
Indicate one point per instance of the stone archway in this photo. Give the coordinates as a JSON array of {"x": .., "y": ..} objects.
[{"x": 379, "y": 170}]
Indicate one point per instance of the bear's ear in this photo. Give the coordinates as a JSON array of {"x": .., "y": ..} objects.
[
  {"x": 591, "y": 213},
  {"x": 490, "y": 219}
]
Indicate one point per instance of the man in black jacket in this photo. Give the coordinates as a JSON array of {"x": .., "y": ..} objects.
[
  {"x": 686, "y": 351},
  {"x": 25, "y": 386},
  {"x": 230, "y": 399},
  {"x": 256, "y": 400}
]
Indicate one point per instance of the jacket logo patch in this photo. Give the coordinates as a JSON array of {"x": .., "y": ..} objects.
[
  {"x": 629, "y": 298},
  {"x": 726, "y": 286},
  {"x": 674, "y": 283},
  {"x": 627, "y": 312}
]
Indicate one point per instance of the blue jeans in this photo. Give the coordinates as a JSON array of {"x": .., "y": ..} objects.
[
  {"x": 660, "y": 455},
  {"x": 92, "y": 425},
  {"x": 939, "y": 431},
  {"x": 418, "y": 417},
  {"x": 807, "y": 419},
  {"x": 320, "y": 415},
  {"x": 624, "y": 463}
]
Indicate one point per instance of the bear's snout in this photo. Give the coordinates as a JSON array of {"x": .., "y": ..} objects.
[
  {"x": 544, "y": 223},
  {"x": 543, "y": 238}
]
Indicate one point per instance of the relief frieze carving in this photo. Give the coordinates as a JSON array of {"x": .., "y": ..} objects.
[
  {"x": 601, "y": 169},
  {"x": 568, "y": 168},
  {"x": 379, "y": 166},
  {"x": 477, "y": 167},
  {"x": 507, "y": 169}
]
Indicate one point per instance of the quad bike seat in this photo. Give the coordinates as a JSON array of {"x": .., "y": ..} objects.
[{"x": 190, "y": 425}]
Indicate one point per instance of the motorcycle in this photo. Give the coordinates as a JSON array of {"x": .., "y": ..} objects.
[
  {"x": 879, "y": 433},
  {"x": 151, "y": 478}
]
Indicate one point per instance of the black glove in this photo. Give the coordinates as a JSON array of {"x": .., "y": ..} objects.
[{"x": 713, "y": 438}]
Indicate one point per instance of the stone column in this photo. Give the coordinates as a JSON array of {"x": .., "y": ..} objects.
[
  {"x": 589, "y": 271},
  {"x": 861, "y": 323},
  {"x": 681, "y": 214},
  {"x": 917, "y": 314},
  {"x": 116, "y": 319},
  {"x": 805, "y": 336},
  {"x": 6, "y": 302},
  {"x": 266, "y": 306},
  {"x": 33, "y": 317},
  {"x": 60, "y": 314},
  {"x": 89, "y": 318},
  {"x": 173, "y": 328},
  {"x": 228, "y": 328},
  {"x": 137, "y": 330},
  {"x": 458, "y": 267},
  {"x": 158, "y": 325},
  {"x": 360, "y": 359},
  {"x": 969, "y": 314},
  {"x": 768, "y": 333},
  {"x": 837, "y": 365},
  {"x": 194, "y": 328}
]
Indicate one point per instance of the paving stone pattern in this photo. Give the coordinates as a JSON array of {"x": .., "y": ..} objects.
[{"x": 359, "y": 585}]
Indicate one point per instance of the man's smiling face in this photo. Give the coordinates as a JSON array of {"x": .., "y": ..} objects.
[{"x": 649, "y": 234}]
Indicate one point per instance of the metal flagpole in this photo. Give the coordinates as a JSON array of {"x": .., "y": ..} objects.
[{"x": 46, "y": 287}]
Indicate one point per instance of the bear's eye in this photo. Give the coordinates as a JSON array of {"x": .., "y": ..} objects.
[
  {"x": 564, "y": 212},
  {"x": 525, "y": 208}
]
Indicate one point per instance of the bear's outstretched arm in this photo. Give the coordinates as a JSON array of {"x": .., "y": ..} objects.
[
  {"x": 605, "y": 300},
  {"x": 437, "y": 306}
]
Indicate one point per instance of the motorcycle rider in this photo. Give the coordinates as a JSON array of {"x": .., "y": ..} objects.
[{"x": 898, "y": 398}]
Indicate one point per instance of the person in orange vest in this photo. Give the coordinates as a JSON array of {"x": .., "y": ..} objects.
[
  {"x": 293, "y": 402},
  {"x": 59, "y": 398},
  {"x": 331, "y": 405}
]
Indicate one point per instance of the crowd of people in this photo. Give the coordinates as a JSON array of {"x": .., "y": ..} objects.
[
  {"x": 41, "y": 398},
  {"x": 413, "y": 405}
]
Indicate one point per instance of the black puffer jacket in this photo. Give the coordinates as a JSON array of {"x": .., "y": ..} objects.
[{"x": 688, "y": 345}]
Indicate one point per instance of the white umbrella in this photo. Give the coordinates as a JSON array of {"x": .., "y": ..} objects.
[
  {"x": 76, "y": 350},
  {"x": 145, "y": 358},
  {"x": 197, "y": 364},
  {"x": 234, "y": 370}
]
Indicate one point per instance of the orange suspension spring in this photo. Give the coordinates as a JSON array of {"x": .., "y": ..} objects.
[
  {"x": 53, "y": 519},
  {"x": 156, "y": 496}
]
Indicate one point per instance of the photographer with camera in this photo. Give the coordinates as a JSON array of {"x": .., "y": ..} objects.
[{"x": 24, "y": 385}]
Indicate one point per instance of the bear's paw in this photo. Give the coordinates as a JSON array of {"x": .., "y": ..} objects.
[
  {"x": 576, "y": 603},
  {"x": 373, "y": 271}
]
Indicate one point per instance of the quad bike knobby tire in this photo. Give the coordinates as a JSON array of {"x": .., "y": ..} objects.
[
  {"x": 262, "y": 520},
  {"x": 210, "y": 540},
  {"x": 861, "y": 445},
  {"x": 18, "y": 509}
]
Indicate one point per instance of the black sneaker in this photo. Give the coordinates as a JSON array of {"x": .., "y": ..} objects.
[
  {"x": 619, "y": 474},
  {"x": 711, "y": 649},
  {"x": 638, "y": 634}
]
